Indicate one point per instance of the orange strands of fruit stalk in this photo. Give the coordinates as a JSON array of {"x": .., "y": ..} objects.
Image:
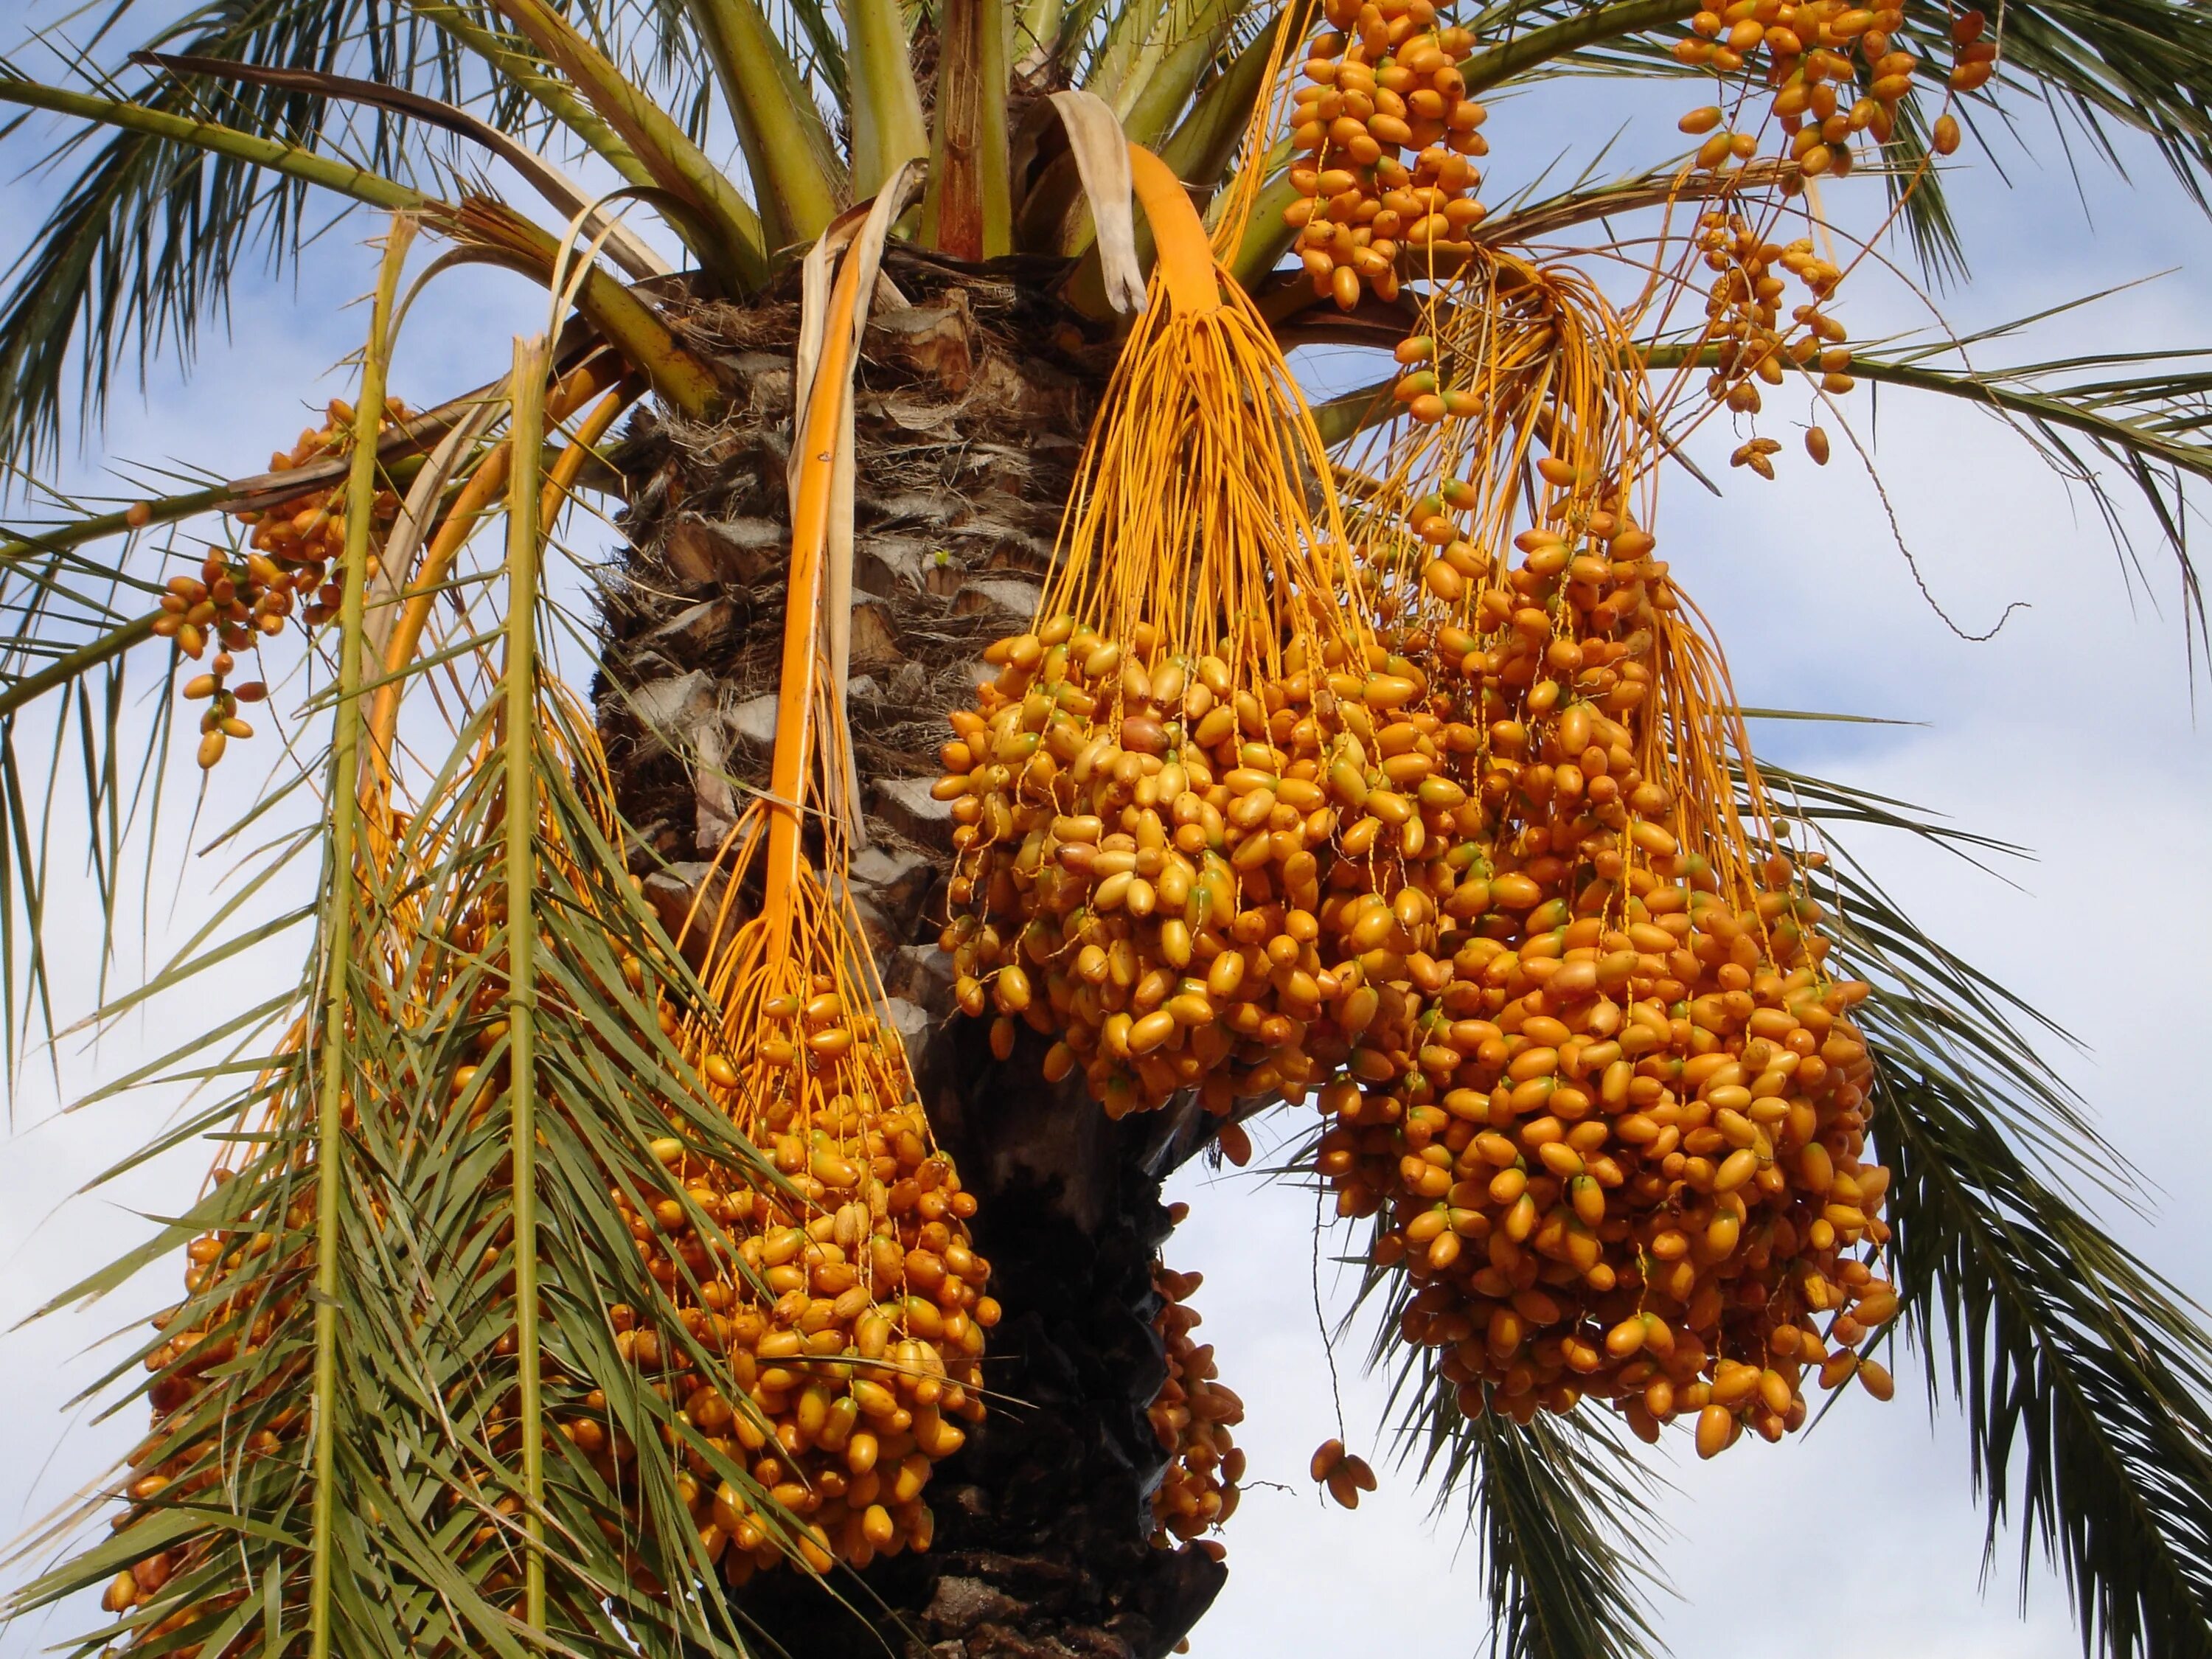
[
  {"x": 1743, "y": 310},
  {"x": 1141, "y": 825}
]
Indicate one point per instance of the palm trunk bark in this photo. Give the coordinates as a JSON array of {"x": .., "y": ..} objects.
[{"x": 976, "y": 391}]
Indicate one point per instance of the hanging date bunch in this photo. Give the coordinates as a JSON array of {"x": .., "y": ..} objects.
[
  {"x": 1142, "y": 833},
  {"x": 307, "y": 531},
  {"x": 853, "y": 1316},
  {"x": 857, "y": 1323},
  {"x": 1383, "y": 80},
  {"x": 1405, "y": 780},
  {"x": 1820, "y": 98},
  {"x": 237, "y": 600},
  {"x": 1613, "y": 1132},
  {"x": 1743, "y": 310},
  {"x": 1192, "y": 1416}
]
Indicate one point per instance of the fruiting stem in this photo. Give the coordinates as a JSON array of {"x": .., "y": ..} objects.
[
  {"x": 345, "y": 807},
  {"x": 1185, "y": 254},
  {"x": 802, "y": 616},
  {"x": 453, "y": 532},
  {"x": 519, "y": 677}
]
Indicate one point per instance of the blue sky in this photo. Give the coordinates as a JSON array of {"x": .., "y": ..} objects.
[{"x": 2071, "y": 733}]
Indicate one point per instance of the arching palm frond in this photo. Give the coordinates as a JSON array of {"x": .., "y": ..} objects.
[
  {"x": 149, "y": 234},
  {"x": 356, "y": 1260},
  {"x": 2085, "y": 1378}
]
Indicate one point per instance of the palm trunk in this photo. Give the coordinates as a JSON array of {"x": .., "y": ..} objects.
[{"x": 974, "y": 393}]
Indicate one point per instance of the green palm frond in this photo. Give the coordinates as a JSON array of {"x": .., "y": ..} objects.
[
  {"x": 1559, "y": 1507},
  {"x": 798, "y": 178},
  {"x": 67, "y": 621},
  {"x": 88, "y": 694},
  {"x": 1556, "y": 1505},
  {"x": 153, "y": 225},
  {"x": 528, "y": 99},
  {"x": 388, "y": 1232},
  {"x": 428, "y": 1478},
  {"x": 148, "y": 233},
  {"x": 2085, "y": 1378},
  {"x": 1203, "y": 145}
]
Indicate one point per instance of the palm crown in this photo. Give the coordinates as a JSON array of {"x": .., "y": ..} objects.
[{"x": 2083, "y": 1374}]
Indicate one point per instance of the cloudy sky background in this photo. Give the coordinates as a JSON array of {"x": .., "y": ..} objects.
[{"x": 2071, "y": 733}]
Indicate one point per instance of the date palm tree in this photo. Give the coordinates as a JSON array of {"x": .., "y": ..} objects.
[{"x": 354, "y": 1459}]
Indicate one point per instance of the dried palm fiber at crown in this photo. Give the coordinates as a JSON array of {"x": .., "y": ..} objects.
[
  {"x": 1383, "y": 79},
  {"x": 1192, "y": 1416},
  {"x": 1612, "y": 1126},
  {"x": 863, "y": 1342},
  {"x": 1141, "y": 836}
]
